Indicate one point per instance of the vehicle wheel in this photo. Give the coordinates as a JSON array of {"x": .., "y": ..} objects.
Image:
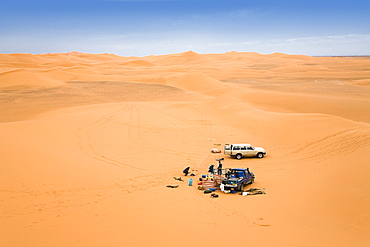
[
  {"x": 252, "y": 181},
  {"x": 238, "y": 156},
  {"x": 260, "y": 155},
  {"x": 241, "y": 188}
]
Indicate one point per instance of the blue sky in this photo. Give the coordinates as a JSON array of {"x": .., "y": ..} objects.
[{"x": 153, "y": 27}]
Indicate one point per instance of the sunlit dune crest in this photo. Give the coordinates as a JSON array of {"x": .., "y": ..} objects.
[{"x": 89, "y": 143}]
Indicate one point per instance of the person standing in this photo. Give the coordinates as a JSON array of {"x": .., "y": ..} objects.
[{"x": 219, "y": 168}]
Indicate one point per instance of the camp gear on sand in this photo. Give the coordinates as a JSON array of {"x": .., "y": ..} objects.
[
  {"x": 172, "y": 186},
  {"x": 179, "y": 178},
  {"x": 190, "y": 182},
  {"x": 193, "y": 173},
  {"x": 207, "y": 184},
  {"x": 253, "y": 191}
]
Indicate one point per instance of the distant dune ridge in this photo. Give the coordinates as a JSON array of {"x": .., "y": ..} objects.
[
  {"x": 29, "y": 70},
  {"x": 90, "y": 141}
]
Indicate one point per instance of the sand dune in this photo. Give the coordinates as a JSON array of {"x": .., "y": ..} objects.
[
  {"x": 90, "y": 141},
  {"x": 27, "y": 78},
  {"x": 139, "y": 62},
  {"x": 186, "y": 58},
  {"x": 193, "y": 81}
]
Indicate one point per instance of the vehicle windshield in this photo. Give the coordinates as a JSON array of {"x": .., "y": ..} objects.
[{"x": 237, "y": 173}]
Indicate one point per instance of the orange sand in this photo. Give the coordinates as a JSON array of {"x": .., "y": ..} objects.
[{"x": 89, "y": 143}]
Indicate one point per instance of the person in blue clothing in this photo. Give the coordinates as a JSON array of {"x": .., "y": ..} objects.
[
  {"x": 186, "y": 171},
  {"x": 210, "y": 169}
]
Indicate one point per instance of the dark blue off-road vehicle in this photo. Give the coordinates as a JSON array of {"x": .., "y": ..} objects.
[{"x": 237, "y": 178}]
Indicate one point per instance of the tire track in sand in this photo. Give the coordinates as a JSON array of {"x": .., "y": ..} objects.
[
  {"x": 339, "y": 143},
  {"x": 136, "y": 122},
  {"x": 86, "y": 145}
]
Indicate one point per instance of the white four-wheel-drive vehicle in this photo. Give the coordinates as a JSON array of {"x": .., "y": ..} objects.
[{"x": 239, "y": 151}]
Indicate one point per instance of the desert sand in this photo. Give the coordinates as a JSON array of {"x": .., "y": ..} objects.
[{"x": 90, "y": 141}]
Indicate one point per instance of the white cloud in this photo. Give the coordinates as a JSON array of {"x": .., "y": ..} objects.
[
  {"x": 155, "y": 43},
  {"x": 350, "y": 44}
]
